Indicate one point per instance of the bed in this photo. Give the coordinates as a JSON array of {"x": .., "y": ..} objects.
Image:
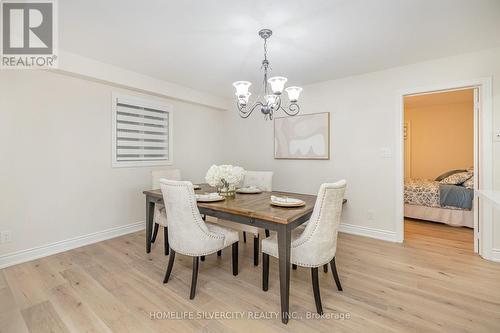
[{"x": 440, "y": 200}]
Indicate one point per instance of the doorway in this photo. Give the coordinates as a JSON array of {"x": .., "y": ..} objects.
[
  {"x": 439, "y": 167},
  {"x": 483, "y": 157}
]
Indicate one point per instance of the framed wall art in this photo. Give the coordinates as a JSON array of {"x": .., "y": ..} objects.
[{"x": 304, "y": 137}]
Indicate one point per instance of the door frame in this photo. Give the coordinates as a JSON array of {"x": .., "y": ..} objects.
[
  {"x": 408, "y": 142},
  {"x": 483, "y": 157}
]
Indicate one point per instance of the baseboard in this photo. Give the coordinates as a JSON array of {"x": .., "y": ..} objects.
[
  {"x": 18, "y": 257},
  {"x": 385, "y": 235}
]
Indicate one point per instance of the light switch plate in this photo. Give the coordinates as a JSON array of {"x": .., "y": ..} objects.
[{"x": 386, "y": 152}]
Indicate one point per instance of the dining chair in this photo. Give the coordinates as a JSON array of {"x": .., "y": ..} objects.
[
  {"x": 188, "y": 233},
  {"x": 160, "y": 216},
  {"x": 315, "y": 244},
  {"x": 264, "y": 181}
]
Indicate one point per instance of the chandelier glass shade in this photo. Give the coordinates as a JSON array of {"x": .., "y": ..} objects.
[
  {"x": 270, "y": 99},
  {"x": 277, "y": 84}
]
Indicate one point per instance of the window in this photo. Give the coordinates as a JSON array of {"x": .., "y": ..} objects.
[{"x": 142, "y": 132}]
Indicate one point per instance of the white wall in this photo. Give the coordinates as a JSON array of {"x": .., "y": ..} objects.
[
  {"x": 363, "y": 121},
  {"x": 56, "y": 180}
]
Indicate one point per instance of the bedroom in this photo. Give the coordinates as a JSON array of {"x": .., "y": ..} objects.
[{"x": 439, "y": 166}]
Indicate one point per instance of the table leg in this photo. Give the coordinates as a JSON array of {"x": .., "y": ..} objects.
[
  {"x": 284, "y": 243},
  {"x": 150, "y": 210}
]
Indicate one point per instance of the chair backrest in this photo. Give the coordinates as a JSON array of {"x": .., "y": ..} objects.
[
  {"x": 319, "y": 238},
  {"x": 156, "y": 175},
  {"x": 187, "y": 232},
  {"x": 261, "y": 179}
]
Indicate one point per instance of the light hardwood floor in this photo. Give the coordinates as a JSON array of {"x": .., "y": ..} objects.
[{"x": 432, "y": 283}]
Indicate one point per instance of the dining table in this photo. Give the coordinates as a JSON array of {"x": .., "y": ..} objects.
[{"x": 254, "y": 210}]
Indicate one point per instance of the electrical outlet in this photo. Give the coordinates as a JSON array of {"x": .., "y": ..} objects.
[
  {"x": 497, "y": 136},
  {"x": 5, "y": 236},
  {"x": 371, "y": 215}
]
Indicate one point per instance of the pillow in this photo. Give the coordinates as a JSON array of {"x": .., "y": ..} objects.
[
  {"x": 469, "y": 183},
  {"x": 457, "y": 178},
  {"x": 448, "y": 173}
]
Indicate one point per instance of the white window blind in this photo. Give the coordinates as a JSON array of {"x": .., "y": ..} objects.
[{"x": 142, "y": 132}]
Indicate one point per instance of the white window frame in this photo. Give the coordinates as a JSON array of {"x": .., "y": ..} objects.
[{"x": 149, "y": 103}]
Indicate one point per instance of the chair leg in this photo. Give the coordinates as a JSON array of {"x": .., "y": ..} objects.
[
  {"x": 165, "y": 241},
  {"x": 169, "y": 267},
  {"x": 267, "y": 233},
  {"x": 335, "y": 274},
  {"x": 325, "y": 268},
  {"x": 265, "y": 271},
  {"x": 256, "y": 251},
  {"x": 317, "y": 296},
  {"x": 202, "y": 258},
  {"x": 194, "y": 278},
  {"x": 244, "y": 237},
  {"x": 235, "y": 258},
  {"x": 219, "y": 253},
  {"x": 294, "y": 267},
  {"x": 155, "y": 232}
]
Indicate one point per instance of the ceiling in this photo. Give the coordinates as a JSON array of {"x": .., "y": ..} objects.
[
  {"x": 440, "y": 98},
  {"x": 206, "y": 45}
]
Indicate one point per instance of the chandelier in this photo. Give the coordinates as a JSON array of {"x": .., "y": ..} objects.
[{"x": 266, "y": 101}]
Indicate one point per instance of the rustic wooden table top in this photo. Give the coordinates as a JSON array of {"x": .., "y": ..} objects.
[{"x": 254, "y": 205}]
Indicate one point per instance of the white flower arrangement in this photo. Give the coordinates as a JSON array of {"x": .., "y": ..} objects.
[{"x": 224, "y": 176}]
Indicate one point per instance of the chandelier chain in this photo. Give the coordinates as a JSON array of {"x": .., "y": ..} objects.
[
  {"x": 265, "y": 65},
  {"x": 265, "y": 49}
]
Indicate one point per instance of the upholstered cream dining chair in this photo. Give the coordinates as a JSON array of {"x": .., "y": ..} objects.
[
  {"x": 264, "y": 181},
  {"x": 160, "y": 217},
  {"x": 315, "y": 244},
  {"x": 188, "y": 233}
]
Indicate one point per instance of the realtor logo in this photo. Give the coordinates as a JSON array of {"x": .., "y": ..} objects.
[{"x": 28, "y": 34}]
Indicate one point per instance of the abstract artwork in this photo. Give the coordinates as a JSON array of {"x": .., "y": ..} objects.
[{"x": 304, "y": 137}]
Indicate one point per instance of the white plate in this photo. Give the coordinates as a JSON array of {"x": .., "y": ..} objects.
[
  {"x": 288, "y": 202},
  {"x": 290, "y": 205},
  {"x": 196, "y": 187},
  {"x": 204, "y": 198},
  {"x": 249, "y": 190}
]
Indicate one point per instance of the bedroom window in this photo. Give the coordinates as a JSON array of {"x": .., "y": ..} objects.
[{"x": 141, "y": 132}]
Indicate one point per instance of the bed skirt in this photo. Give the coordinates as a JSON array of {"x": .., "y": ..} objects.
[{"x": 454, "y": 217}]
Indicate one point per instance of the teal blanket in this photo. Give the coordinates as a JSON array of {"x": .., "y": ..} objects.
[{"x": 455, "y": 196}]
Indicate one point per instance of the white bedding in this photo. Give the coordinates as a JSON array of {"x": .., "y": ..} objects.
[
  {"x": 422, "y": 202},
  {"x": 454, "y": 217},
  {"x": 422, "y": 192}
]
